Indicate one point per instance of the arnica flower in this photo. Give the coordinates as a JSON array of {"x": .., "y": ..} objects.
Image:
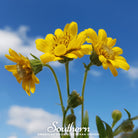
[
  {"x": 63, "y": 44},
  {"x": 22, "y": 71},
  {"x": 108, "y": 55}
]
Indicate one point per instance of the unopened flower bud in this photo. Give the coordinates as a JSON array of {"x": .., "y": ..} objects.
[
  {"x": 95, "y": 59},
  {"x": 127, "y": 126},
  {"x": 74, "y": 100},
  {"x": 70, "y": 119},
  {"x": 116, "y": 115},
  {"x": 36, "y": 65}
]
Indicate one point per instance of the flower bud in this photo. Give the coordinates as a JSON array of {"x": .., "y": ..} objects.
[
  {"x": 70, "y": 119},
  {"x": 116, "y": 115},
  {"x": 95, "y": 59},
  {"x": 127, "y": 126},
  {"x": 36, "y": 65},
  {"x": 74, "y": 100}
]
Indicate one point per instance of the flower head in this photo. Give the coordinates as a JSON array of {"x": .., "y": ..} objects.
[
  {"x": 22, "y": 71},
  {"x": 63, "y": 44},
  {"x": 108, "y": 55},
  {"x": 74, "y": 99}
]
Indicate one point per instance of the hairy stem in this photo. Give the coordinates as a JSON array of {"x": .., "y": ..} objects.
[{"x": 58, "y": 86}]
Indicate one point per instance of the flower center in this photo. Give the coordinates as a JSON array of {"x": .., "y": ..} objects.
[
  {"x": 64, "y": 40},
  {"x": 23, "y": 71},
  {"x": 107, "y": 52}
]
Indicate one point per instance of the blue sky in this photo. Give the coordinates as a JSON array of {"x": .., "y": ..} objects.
[{"x": 24, "y": 21}]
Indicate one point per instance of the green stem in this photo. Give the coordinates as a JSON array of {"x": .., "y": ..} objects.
[
  {"x": 72, "y": 111},
  {"x": 59, "y": 91},
  {"x": 67, "y": 77},
  {"x": 83, "y": 88},
  {"x": 117, "y": 130},
  {"x": 64, "y": 116},
  {"x": 68, "y": 91}
]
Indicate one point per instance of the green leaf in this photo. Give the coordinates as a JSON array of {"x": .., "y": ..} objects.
[
  {"x": 135, "y": 134},
  {"x": 128, "y": 113},
  {"x": 86, "y": 125},
  {"x": 86, "y": 120},
  {"x": 109, "y": 131},
  {"x": 85, "y": 129},
  {"x": 34, "y": 56},
  {"x": 134, "y": 118},
  {"x": 100, "y": 127}
]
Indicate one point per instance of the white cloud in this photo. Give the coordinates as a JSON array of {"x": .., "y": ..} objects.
[
  {"x": 132, "y": 73},
  {"x": 12, "y": 137},
  {"x": 95, "y": 73},
  {"x": 32, "y": 120},
  {"x": 56, "y": 64},
  {"x": 18, "y": 41}
]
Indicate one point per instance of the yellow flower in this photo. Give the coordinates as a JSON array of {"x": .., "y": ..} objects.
[
  {"x": 63, "y": 44},
  {"x": 22, "y": 71},
  {"x": 107, "y": 53}
]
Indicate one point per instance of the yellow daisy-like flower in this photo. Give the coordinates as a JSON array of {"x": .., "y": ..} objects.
[
  {"x": 22, "y": 71},
  {"x": 64, "y": 43},
  {"x": 107, "y": 53}
]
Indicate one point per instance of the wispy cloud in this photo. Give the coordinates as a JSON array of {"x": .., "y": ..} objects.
[
  {"x": 32, "y": 120},
  {"x": 132, "y": 73},
  {"x": 18, "y": 41},
  {"x": 95, "y": 73},
  {"x": 56, "y": 64},
  {"x": 12, "y": 137}
]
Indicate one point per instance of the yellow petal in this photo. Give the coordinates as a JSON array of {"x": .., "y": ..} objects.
[
  {"x": 120, "y": 58},
  {"x": 25, "y": 85},
  {"x": 50, "y": 39},
  {"x": 59, "y": 33},
  {"x": 60, "y": 50},
  {"x": 78, "y": 53},
  {"x": 86, "y": 49},
  {"x": 111, "y": 42},
  {"x": 18, "y": 78},
  {"x": 92, "y": 35},
  {"x": 73, "y": 45},
  {"x": 66, "y": 28},
  {"x": 47, "y": 57},
  {"x": 114, "y": 63},
  {"x": 81, "y": 39},
  {"x": 102, "y": 35},
  {"x": 113, "y": 70},
  {"x": 73, "y": 28},
  {"x": 117, "y": 50},
  {"x": 89, "y": 40},
  {"x": 11, "y": 68},
  {"x": 42, "y": 45},
  {"x": 105, "y": 65},
  {"x": 71, "y": 55},
  {"x": 13, "y": 53},
  {"x": 11, "y": 58},
  {"x": 123, "y": 64},
  {"x": 23, "y": 57},
  {"x": 102, "y": 59},
  {"x": 35, "y": 79},
  {"x": 32, "y": 86}
]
